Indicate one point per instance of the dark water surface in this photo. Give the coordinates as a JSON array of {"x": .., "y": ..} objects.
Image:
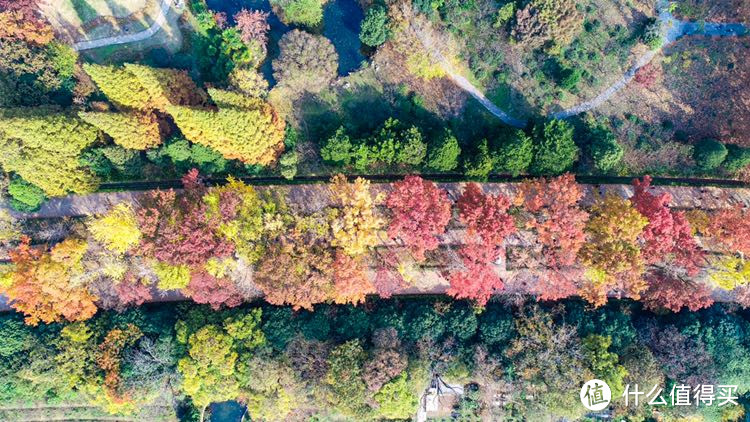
[
  {"x": 226, "y": 411},
  {"x": 341, "y": 22}
]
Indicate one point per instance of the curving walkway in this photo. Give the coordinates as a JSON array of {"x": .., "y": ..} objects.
[
  {"x": 672, "y": 28},
  {"x": 158, "y": 24}
]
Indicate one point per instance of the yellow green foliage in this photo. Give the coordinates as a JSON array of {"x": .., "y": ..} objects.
[
  {"x": 117, "y": 230},
  {"x": 129, "y": 130},
  {"x": 234, "y": 99},
  {"x": 246, "y": 229},
  {"x": 420, "y": 64},
  {"x": 10, "y": 229},
  {"x": 208, "y": 370},
  {"x": 120, "y": 86},
  {"x": 251, "y": 135},
  {"x": 396, "y": 399},
  {"x": 43, "y": 146},
  {"x": 355, "y": 227},
  {"x": 171, "y": 277},
  {"x": 731, "y": 272},
  {"x": 167, "y": 86},
  {"x": 144, "y": 88},
  {"x": 612, "y": 253},
  {"x": 273, "y": 405}
]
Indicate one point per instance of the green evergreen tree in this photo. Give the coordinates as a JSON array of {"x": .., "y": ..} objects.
[{"x": 554, "y": 150}]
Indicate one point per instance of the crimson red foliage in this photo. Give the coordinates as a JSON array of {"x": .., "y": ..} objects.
[
  {"x": 131, "y": 292},
  {"x": 205, "y": 288},
  {"x": 176, "y": 230},
  {"x": 485, "y": 215},
  {"x": 387, "y": 278},
  {"x": 668, "y": 234},
  {"x": 556, "y": 284},
  {"x": 730, "y": 228},
  {"x": 557, "y": 218},
  {"x": 478, "y": 280},
  {"x": 421, "y": 211},
  {"x": 646, "y": 75},
  {"x": 253, "y": 25},
  {"x": 666, "y": 292}
]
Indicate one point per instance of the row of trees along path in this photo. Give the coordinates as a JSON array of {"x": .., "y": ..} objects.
[{"x": 309, "y": 198}]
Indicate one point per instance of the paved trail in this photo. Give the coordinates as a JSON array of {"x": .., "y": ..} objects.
[
  {"x": 158, "y": 24},
  {"x": 672, "y": 29}
]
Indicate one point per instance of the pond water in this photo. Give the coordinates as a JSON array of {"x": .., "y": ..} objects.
[
  {"x": 341, "y": 23},
  {"x": 226, "y": 411}
]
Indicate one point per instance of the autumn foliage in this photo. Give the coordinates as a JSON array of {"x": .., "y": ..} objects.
[
  {"x": 556, "y": 217},
  {"x": 41, "y": 284},
  {"x": 222, "y": 245},
  {"x": 668, "y": 292},
  {"x": 421, "y": 212},
  {"x": 175, "y": 229},
  {"x": 667, "y": 236},
  {"x": 488, "y": 224}
]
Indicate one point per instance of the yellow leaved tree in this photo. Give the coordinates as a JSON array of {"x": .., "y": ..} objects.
[{"x": 355, "y": 225}]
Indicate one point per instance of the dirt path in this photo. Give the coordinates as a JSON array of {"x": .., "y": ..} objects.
[{"x": 158, "y": 24}]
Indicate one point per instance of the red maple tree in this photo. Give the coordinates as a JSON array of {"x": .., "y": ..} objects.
[
  {"x": 350, "y": 280},
  {"x": 667, "y": 292},
  {"x": 477, "y": 280},
  {"x": 485, "y": 215},
  {"x": 175, "y": 228},
  {"x": 556, "y": 217},
  {"x": 730, "y": 230},
  {"x": 668, "y": 235},
  {"x": 253, "y": 25},
  {"x": 421, "y": 212},
  {"x": 215, "y": 291}
]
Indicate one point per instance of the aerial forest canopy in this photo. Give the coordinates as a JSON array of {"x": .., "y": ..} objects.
[
  {"x": 373, "y": 362},
  {"x": 360, "y": 200}
]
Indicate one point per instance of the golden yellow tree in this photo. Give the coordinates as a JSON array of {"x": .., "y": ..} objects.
[
  {"x": 612, "y": 255},
  {"x": 252, "y": 133},
  {"x": 117, "y": 230},
  {"x": 129, "y": 130},
  {"x": 355, "y": 226}
]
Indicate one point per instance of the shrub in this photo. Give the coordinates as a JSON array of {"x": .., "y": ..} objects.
[
  {"x": 25, "y": 197},
  {"x": 605, "y": 151},
  {"x": 249, "y": 82},
  {"x": 709, "y": 154},
  {"x": 442, "y": 155},
  {"x": 505, "y": 14},
  {"x": 652, "y": 34},
  {"x": 338, "y": 148},
  {"x": 515, "y": 154},
  {"x": 737, "y": 158},
  {"x": 554, "y": 148},
  {"x": 288, "y": 163},
  {"x": 304, "y": 12},
  {"x": 375, "y": 27}
]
